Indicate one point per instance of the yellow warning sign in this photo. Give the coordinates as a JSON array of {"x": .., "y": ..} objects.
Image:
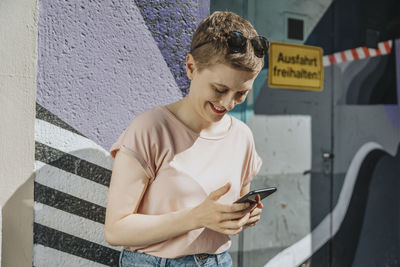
[{"x": 294, "y": 66}]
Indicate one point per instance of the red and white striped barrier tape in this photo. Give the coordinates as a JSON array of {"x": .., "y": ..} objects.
[{"x": 357, "y": 53}]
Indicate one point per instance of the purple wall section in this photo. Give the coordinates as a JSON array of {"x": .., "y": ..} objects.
[
  {"x": 171, "y": 27},
  {"x": 99, "y": 64},
  {"x": 393, "y": 111}
]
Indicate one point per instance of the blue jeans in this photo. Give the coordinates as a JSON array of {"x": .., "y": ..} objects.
[{"x": 130, "y": 258}]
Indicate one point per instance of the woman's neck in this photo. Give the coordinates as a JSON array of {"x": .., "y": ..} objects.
[{"x": 185, "y": 112}]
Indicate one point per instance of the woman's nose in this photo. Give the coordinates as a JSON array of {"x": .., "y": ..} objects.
[{"x": 228, "y": 103}]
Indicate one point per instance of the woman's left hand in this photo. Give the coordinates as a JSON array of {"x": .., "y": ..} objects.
[{"x": 255, "y": 213}]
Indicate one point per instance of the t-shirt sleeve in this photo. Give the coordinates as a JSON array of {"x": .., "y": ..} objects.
[
  {"x": 135, "y": 140},
  {"x": 253, "y": 164}
]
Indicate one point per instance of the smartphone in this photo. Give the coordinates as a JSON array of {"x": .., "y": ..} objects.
[{"x": 251, "y": 196}]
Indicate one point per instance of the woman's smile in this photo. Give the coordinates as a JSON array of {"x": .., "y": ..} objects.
[{"x": 217, "y": 110}]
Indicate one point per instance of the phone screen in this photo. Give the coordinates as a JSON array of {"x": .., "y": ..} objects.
[{"x": 251, "y": 196}]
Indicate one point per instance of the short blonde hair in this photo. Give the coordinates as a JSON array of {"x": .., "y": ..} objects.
[{"x": 214, "y": 28}]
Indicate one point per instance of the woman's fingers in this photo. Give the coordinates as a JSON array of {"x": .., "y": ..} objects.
[
  {"x": 235, "y": 224},
  {"x": 255, "y": 212},
  {"x": 234, "y": 227},
  {"x": 233, "y": 218},
  {"x": 227, "y": 216},
  {"x": 253, "y": 220},
  {"x": 254, "y": 217},
  {"x": 253, "y": 207},
  {"x": 232, "y": 212},
  {"x": 233, "y": 207},
  {"x": 258, "y": 199}
]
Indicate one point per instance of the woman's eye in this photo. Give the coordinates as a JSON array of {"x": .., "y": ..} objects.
[
  {"x": 243, "y": 93},
  {"x": 219, "y": 92},
  {"x": 223, "y": 92}
]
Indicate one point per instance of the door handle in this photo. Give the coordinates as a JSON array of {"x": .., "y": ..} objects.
[
  {"x": 327, "y": 156},
  {"x": 326, "y": 162}
]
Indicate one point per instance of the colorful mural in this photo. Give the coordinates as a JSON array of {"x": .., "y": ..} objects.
[
  {"x": 342, "y": 210},
  {"x": 99, "y": 64},
  {"x": 334, "y": 155},
  {"x": 355, "y": 148}
]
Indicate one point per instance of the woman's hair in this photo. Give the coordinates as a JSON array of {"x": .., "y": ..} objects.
[{"x": 213, "y": 28}]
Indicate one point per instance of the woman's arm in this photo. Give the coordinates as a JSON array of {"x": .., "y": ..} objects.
[{"x": 123, "y": 227}]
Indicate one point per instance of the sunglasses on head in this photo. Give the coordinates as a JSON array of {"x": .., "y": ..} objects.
[{"x": 237, "y": 43}]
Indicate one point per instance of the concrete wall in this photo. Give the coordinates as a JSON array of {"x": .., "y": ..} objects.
[
  {"x": 18, "y": 55},
  {"x": 284, "y": 142},
  {"x": 0, "y": 234}
]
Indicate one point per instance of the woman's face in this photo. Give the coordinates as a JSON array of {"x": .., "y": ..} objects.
[{"x": 219, "y": 86}]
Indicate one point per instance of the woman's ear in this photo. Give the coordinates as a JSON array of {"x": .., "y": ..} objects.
[{"x": 190, "y": 66}]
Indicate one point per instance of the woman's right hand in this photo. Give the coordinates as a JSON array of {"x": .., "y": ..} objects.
[{"x": 224, "y": 218}]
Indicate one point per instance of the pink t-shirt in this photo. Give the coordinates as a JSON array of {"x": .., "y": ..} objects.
[{"x": 184, "y": 168}]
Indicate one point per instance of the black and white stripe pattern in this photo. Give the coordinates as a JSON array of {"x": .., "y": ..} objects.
[{"x": 72, "y": 175}]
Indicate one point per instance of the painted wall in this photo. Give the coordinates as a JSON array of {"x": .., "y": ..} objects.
[
  {"x": 365, "y": 146},
  {"x": 18, "y": 55},
  {"x": 100, "y": 63},
  {"x": 349, "y": 228},
  {"x": 339, "y": 211}
]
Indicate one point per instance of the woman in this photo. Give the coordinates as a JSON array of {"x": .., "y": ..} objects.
[{"x": 183, "y": 165}]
